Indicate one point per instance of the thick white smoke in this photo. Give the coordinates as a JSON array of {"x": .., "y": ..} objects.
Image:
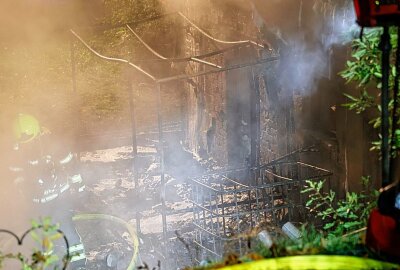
[{"x": 306, "y": 46}]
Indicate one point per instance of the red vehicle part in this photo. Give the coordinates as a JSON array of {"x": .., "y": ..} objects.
[
  {"x": 382, "y": 234},
  {"x": 372, "y": 13}
]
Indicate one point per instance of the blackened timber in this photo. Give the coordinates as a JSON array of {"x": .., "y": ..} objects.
[
  {"x": 254, "y": 119},
  {"x": 133, "y": 134},
  {"x": 161, "y": 154}
]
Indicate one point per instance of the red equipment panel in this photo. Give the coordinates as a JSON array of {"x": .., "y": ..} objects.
[
  {"x": 382, "y": 234},
  {"x": 377, "y": 12}
]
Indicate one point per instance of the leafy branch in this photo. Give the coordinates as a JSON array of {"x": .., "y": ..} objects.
[
  {"x": 340, "y": 216},
  {"x": 365, "y": 70},
  {"x": 44, "y": 233}
]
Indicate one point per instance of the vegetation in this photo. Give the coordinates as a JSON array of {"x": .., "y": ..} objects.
[
  {"x": 36, "y": 75},
  {"x": 44, "y": 234},
  {"x": 341, "y": 223},
  {"x": 341, "y": 216},
  {"x": 364, "y": 69},
  {"x": 338, "y": 229}
]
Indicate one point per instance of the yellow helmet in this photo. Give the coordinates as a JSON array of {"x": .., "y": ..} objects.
[{"x": 26, "y": 128}]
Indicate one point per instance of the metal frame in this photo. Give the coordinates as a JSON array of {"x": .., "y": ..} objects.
[
  {"x": 158, "y": 82},
  {"x": 226, "y": 208}
]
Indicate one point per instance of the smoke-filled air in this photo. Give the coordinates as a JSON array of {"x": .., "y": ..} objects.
[{"x": 197, "y": 134}]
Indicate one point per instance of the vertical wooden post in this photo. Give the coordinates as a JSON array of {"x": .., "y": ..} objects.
[
  {"x": 255, "y": 101},
  {"x": 255, "y": 120},
  {"x": 76, "y": 114},
  {"x": 133, "y": 133},
  {"x": 161, "y": 154}
]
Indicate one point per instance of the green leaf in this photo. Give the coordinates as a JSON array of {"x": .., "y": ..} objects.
[
  {"x": 328, "y": 226},
  {"x": 35, "y": 236},
  {"x": 35, "y": 224},
  {"x": 348, "y": 225},
  {"x": 309, "y": 202},
  {"x": 350, "y": 97}
]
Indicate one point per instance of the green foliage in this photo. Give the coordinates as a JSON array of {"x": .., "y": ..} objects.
[
  {"x": 310, "y": 243},
  {"x": 35, "y": 75},
  {"x": 342, "y": 222},
  {"x": 44, "y": 233},
  {"x": 340, "y": 216},
  {"x": 365, "y": 70},
  {"x": 360, "y": 104}
]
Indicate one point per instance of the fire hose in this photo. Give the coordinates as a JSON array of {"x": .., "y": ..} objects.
[
  {"x": 313, "y": 262},
  {"x": 131, "y": 231}
]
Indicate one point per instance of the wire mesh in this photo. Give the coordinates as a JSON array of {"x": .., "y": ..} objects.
[{"x": 228, "y": 205}]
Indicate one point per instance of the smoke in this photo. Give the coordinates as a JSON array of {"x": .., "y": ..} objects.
[
  {"x": 304, "y": 32},
  {"x": 306, "y": 39},
  {"x": 37, "y": 79},
  {"x": 342, "y": 21}
]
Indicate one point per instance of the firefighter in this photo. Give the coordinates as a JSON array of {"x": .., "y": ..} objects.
[{"x": 46, "y": 175}]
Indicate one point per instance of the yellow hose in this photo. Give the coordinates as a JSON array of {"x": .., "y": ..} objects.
[
  {"x": 131, "y": 230},
  {"x": 313, "y": 262}
]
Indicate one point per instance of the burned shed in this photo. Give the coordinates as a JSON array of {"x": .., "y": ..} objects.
[{"x": 200, "y": 122}]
